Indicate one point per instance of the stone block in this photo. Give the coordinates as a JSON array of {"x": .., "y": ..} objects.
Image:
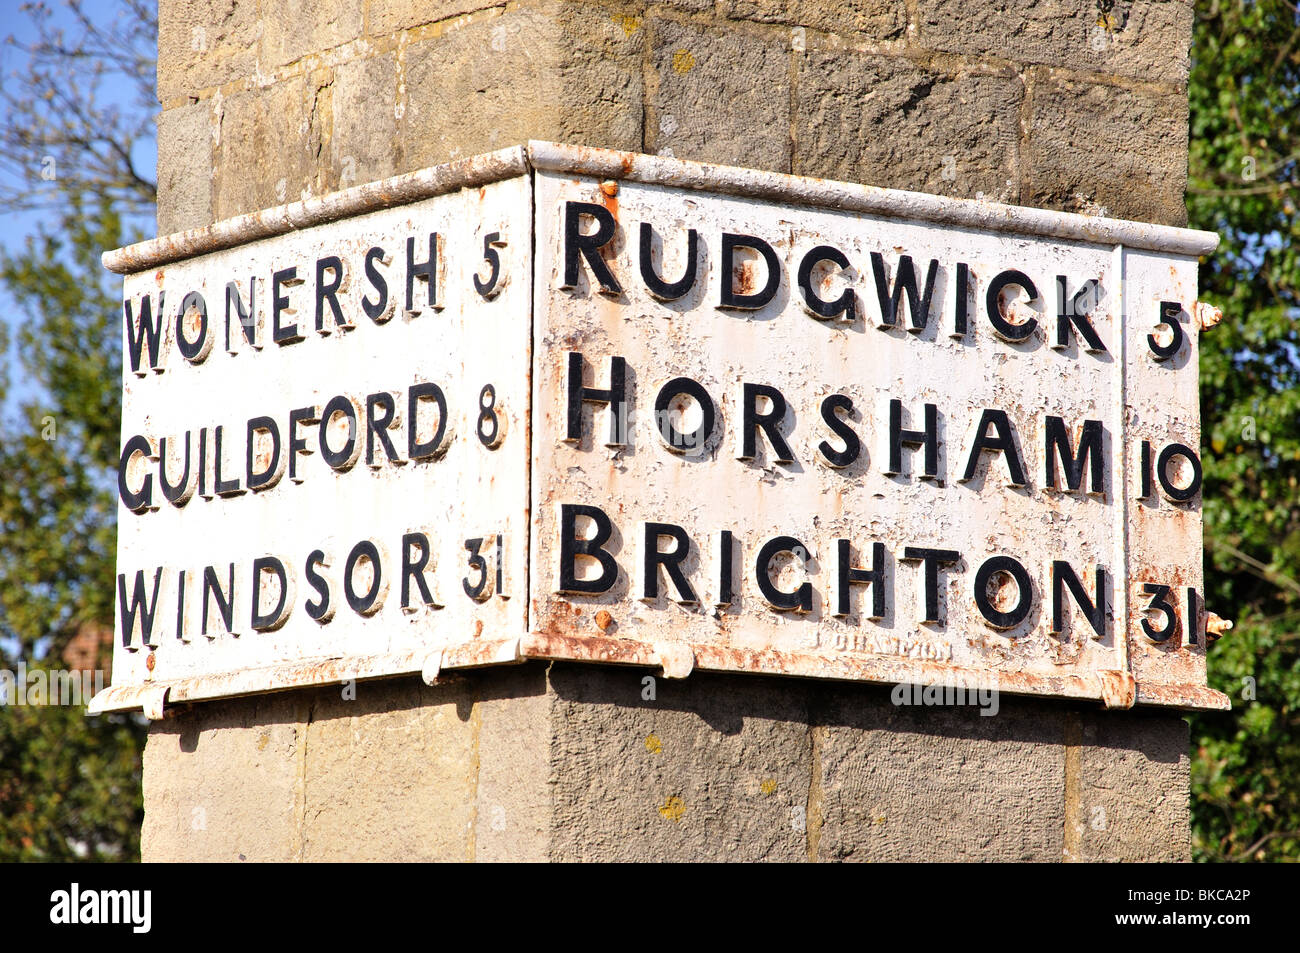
[
  {"x": 907, "y": 783},
  {"x": 710, "y": 768},
  {"x": 878, "y": 19},
  {"x": 184, "y": 167},
  {"x": 1093, "y": 147},
  {"x": 390, "y": 773},
  {"x": 1145, "y": 39},
  {"x": 515, "y": 783},
  {"x": 886, "y": 121},
  {"x": 221, "y": 782},
  {"x": 568, "y": 72},
  {"x": 385, "y": 17},
  {"x": 266, "y": 146},
  {"x": 205, "y": 43},
  {"x": 363, "y": 135},
  {"x": 718, "y": 95},
  {"x": 1134, "y": 788},
  {"x": 296, "y": 28}
]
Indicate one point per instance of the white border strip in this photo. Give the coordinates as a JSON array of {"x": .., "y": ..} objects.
[{"x": 656, "y": 170}]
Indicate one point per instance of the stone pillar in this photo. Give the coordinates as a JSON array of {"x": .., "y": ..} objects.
[{"x": 1042, "y": 104}]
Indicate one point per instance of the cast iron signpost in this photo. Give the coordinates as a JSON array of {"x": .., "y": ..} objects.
[{"x": 567, "y": 403}]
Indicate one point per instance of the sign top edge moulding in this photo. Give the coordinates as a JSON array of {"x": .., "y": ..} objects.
[{"x": 490, "y": 167}]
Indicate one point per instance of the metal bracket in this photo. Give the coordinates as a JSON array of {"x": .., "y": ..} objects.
[
  {"x": 1207, "y": 315},
  {"x": 1118, "y": 689},
  {"x": 677, "y": 660},
  {"x": 152, "y": 698},
  {"x": 432, "y": 666}
]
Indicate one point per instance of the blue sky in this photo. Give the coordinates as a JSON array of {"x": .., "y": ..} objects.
[{"x": 15, "y": 227}]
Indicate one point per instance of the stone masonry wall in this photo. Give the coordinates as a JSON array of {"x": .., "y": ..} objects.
[
  {"x": 1047, "y": 104},
  {"x": 1033, "y": 103}
]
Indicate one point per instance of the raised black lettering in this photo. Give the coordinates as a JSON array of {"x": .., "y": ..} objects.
[
  {"x": 671, "y": 561},
  {"x": 1093, "y": 608},
  {"x": 274, "y": 464},
  {"x": 997, "y": 566},
  {"x": 146, "y": 331},
  {"x": 918, "y": 303},
  {"x": 246, "y": 318},
  {"x": 370, "y": 601},
  {"x": 769, "y": 423},
  {"x": 381, "y": 409},
  {"x": 668, "y": 290},
  {"x": 283, "y": 333},
  {"x": 1076, "y": 311},
  {"x": 413, "y": 566},
  {"x": 832, "y": 407},
  {"x": 697, "y": 439},
  {"x": 933, "y": 560},
  {"x": 1056, "y": 438},
  {"x": 327, "y": 291},
  {"x": 138, "y": 606},
  {"x": 1002, "y": 442},
  {"x": 746, "y": 299},
  {"x": 279, "y": 613},
  {"x": 927, "y": 438},
  {"x": 426, "y": 271},
  {"x": 593, "y": 547},
  {"x": 578, "y": 246},
  {"x": 1015, "y": 333},
  {"x": 380, "y": 309},
  {"x": 847, "y": 575},
  {"x": 417, "y": 449},
  {"x": 135, "y": 500},
  {"x": 801, "y": 599},
  {"x": 319, "y": 610},
  {"x": 224, "y": 598},
  {"x": 615, "y": 395},
  {"x": 845, "y": 304}
]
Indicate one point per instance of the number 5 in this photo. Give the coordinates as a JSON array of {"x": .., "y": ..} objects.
[{"x": 492, "y": 287}]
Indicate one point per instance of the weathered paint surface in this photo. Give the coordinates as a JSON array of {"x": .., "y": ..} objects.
[
  {"x": 467, "y": 491},
  {"x": 783, "y": 345},
  {"x": 522, "y": 347}
]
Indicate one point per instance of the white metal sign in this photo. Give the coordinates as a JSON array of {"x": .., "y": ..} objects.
[{"x": 567, "y": 403}]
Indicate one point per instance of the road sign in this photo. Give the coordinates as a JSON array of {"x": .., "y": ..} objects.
[{"x": 567, "y": 403}]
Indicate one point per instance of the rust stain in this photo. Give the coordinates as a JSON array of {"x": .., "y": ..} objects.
[
  {"x": 742, "y": 278},
  {"x": 608, "y": 193}
]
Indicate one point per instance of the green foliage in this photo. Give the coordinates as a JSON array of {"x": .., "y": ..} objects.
[
  {"x": 71, "y": 115},
  {"x": 1243, "y": 181},
  {"x": 57, "y": 502},
  {"x": 69, "y": 784}
]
